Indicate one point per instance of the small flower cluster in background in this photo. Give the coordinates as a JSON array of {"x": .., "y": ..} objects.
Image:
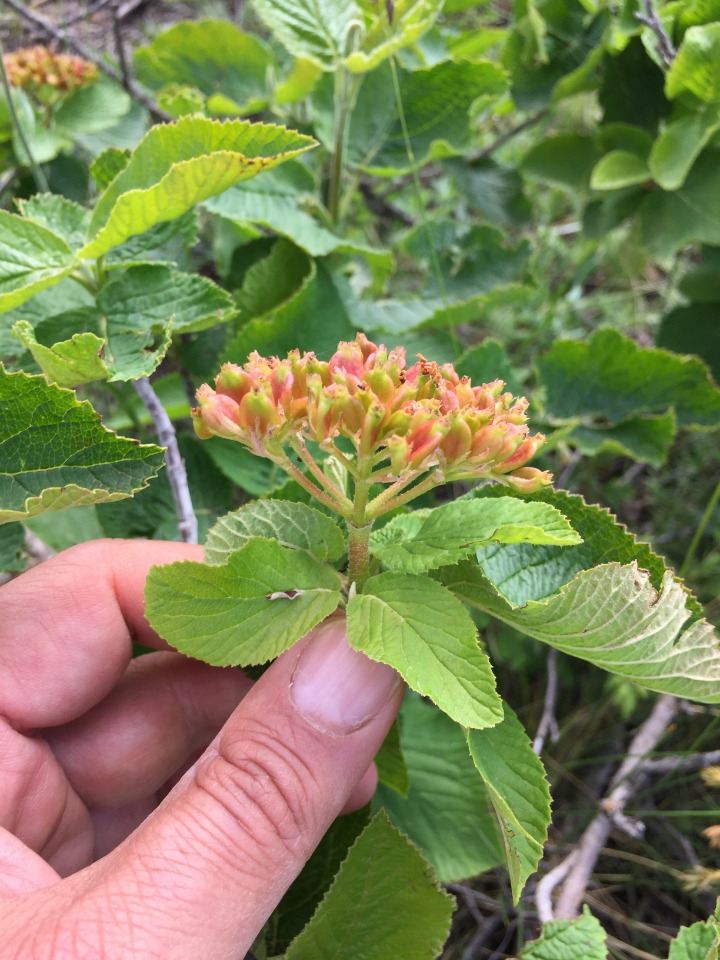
[
  {"x": 47, "y": 75},
  {"x": 403, "y": 420}
]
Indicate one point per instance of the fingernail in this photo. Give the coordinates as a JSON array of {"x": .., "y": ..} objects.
[{"x": 338, "y": 689}]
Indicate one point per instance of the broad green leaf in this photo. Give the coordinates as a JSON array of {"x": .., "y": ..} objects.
[
  {"x": 316, "y": 30},
  {"x": 390, "y": 762},
  {"x": 399, "y": 897},
  {"x": 56, "y": 454},
  {"x": 617, "y": 169},
  {"x": 632, "y": 69},
  {"x": 609, "y": 378},
  {"x": 246, "y": 611},
  {"x": 700, "y": 941},
  {"x": 671, "y": 219},
  {"x": 107, "y": 165},
  {"x": 422, "y": 631},
  {"x": 645, "y": 438},
  {"x": 255, "y": 475},
  {"x": 273, "y": 281},
  {"x": 276, "y": 201},
  {"x": 299, "y": 83},
  {"x": 567, "y": 160},
  {"x": 696, "y": 68},
  {"x": 679, "y": 144},
  {"x": 211, "y": 55},
  {"x": 165, "y": 242},
  {"x": 181, "y": 164},
  {"x": 62, "y": 217},
  {"x": 493, "y": 190},
  {"x": 410, "y": 20},
  {"x": 518, "y": 789},
  {"x": 446, "y": 811},
  {"x": 488, "y": 361},
  {"x": 293, "y": 525},
  {"x": 12, "y": 544},
  {"x": 31, "y": 258},
  {"x": 569, "y": 940},
  {"x": 450, "y": 533},
  {"x": 91, "y": 109},
  {"x": 68, "y": 363},
  {"x": 693, "y": 329}
]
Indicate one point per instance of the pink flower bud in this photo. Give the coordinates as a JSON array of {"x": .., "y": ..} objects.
[{"x": 527, "y": 479}]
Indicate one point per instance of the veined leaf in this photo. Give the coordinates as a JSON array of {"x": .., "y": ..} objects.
[
  {"x": 31, "y": 258},
  {"x": 450, "y": 533},
  {"x": 62, "y": 217},
  {"x": 107, "y": 165},
  {"x": 422, "y": 631},
  {"x": 390, "y": 762},
  {"x": 446, "y": 811},
  {"x": 700, "y": 941},
  {"x": 54, "y": 453},
  {"x": 246, "y": 611},
  {"x": 647, "y": 438},
  {"x": 67, "y": 363},
  {"x": 696, "y": 68},
  {"x": 679, "y": 144},
  {"x": 274, "y": 280},
  {"x": 12, "y": 543},
  {"x": 212, "y": 56},
  {"x": 293, "y": 525},
  {"x": 410, "y": 20},
  {"x": 399, "y": 896},
  {"x": 316, "y": 30},
  {"x": 181, "y": 164},
  {"x": 571, "y": 939},
  {"x": 519, "y": 792},
  {"x": 617, "y": 169}
]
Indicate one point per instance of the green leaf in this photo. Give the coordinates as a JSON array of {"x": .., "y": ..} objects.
[
  {"x": 694, "y": 329},
  {"x": 566, "y": 160},
  {"x": 293, "y": 525},
  {"x": 645, "y": 438},
  {"x": 69, "y": 362},
  {"x": 410, "y": 20},
  {"x": 12, "y": 546},
  {"x": 238, "y": 613},
  {"x": 519, "y": 792},
  {"x": 31, "y": 258},
  {"x": 617, "y": 169},
  {"x": 258, "y": 477},
  {"x": 212, "y": 56},
  {"x": 609, "y": 378},
  {"x": 165, "y": 242},
  {"x": 107, "y": 165},
  {"x": 488, "y": 361},
  {"x": 56, "y": 454},
  {"x": 696, "y": 68},
  {"x": 700, "y": 941},
  {"x": 181, "y": 164},
  {"x": 679, "y": 145},
  {"x": 422, "y": 631},
  {"x": 316, "y": 30},
  {"x": 446, "y": 812},
  {"x": 390, "y": 762},
  {"x": 450, "y": 533},
  {"x": 90, "y": 109},
  {"x": 62, "y": 217},
  {"x": 568, "y": 940},
  {"x": 273, "y": 281},
  {"x": 399, "y": 895}
]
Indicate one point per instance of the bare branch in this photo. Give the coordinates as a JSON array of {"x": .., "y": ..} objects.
[
  {"x": 694, "y": 761},
  {"x": 61, "y": 35},
  {"x": 177, "y": 475},
  {"x": 548, "y": 723},
  {"x": 509, "y": 135},
  {"x": 665, "y": 48}
]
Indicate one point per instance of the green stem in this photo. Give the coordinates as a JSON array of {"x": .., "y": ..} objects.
[
  {"x": 38, "y": 176},
  {"x": 337, "y": 495},
  {"x": 345, "y": 461},
  {"x": 697, "y": 537},
  {"x": 289, "y": 467},
  {"x": 377, "y": 509},
  {"x": 358, "y": 553}
]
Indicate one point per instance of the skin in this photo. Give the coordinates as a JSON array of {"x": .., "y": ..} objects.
[{"x": 160, "y": 808}]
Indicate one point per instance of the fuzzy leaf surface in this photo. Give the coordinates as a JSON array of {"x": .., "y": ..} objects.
[
  {"x": 31, "y": 258},
  {"x": 399, "y": 895},
  {"x": 451, "y": 532},
  {"x": 700, "y": 941},
  {"x": 224, "y": 615},
  {"x": 293, "y": 525},
  {"x": 61, "y": 216},
  {"x": 569, "y": 940},
  {"x": 54, "y": 452},
  {"x": 424, "y": 632},
  {"x": 696, "y": 68},
  {"x": 518, "y": 789},
  {"x": 313, "y": 29},
  {"x": 178, "y": 165}
]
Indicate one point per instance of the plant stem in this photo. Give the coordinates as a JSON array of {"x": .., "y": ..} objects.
[
  {"x": 381, "y": 504},
  {"x": 337, "y": 495},
  {"x": 315, "y": 491},
  {"x": 340, "y": 132},
  {"x": 697, "y": 536},
  {"x": 176, "y": 473},
  {"x": 358, "y": 553},
  {"x": 38, "y": 175}
]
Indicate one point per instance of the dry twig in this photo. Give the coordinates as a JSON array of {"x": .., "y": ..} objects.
[
  {"x": 548, "y": 723},
  {"x": 665, "y": 48}
]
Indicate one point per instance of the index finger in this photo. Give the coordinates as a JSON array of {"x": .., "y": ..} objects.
[{"x": 67, "y": 626}]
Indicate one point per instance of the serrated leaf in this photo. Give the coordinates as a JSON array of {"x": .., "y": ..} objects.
[
  {"x": 273, "y": 281},
  {"x": 645, "y": 438},
  {"x": 293, "y": 525},
  {"x": 450, "y": 533},
  {"x": 610, "y": 378},
  {"x": 700, "y": 941},
  {"x": 54, "y": 453},
  {"x": 399, "y": 896},
  {"x": 679, "y": 144},
  {"x": 68, "y": 363},
  {"x": 569, "y": 940},
  {"x": 164, "y": 243},
  {"x": 446, "y": 811},
  {"x": 618, "y": 169},
  {"x": 224, "y": 615},
  {"x": 518, "y": 789},
  {"x": 422, "y": 631},
  {"x": 314, "y": 29},
  {"x": 31, "y": 258},
  {"x": 696, "y": 68},
  {"x": 107, "y": 165},
  {"x": 488, "y": 361},
  {"x": 62, "y": 217},
  {"x": 181, "y": 164},
  {"x": 212, "y": 56}
]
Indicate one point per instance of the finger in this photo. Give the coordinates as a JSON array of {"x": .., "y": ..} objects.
[
  {"x": 68, "y": 626},
  {"x": 214, "y": 860},
  {"x": 363, "y": 792},
  {"x": 130, "y": 744}
]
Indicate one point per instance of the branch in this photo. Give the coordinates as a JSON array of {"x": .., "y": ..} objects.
[
  {"x": 665, "y": 48},
  {"x": 695, "y": 761},
  {"x": 548, "y": 723},
  {"x": 575, "y": 871},
  {"x": 177, "y": 475},
  {"x": 59, "y": 34},
  {"x": 508, "y": 135}
]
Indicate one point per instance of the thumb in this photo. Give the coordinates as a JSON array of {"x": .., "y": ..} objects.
[{"x": 201, "y": 875}]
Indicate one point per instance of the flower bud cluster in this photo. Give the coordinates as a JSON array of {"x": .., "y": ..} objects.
[
  {"x": 420, "y": 418},
  {"x": 44, "y": 73}
]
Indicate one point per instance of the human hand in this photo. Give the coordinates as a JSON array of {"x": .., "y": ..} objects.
[{"x": 90, "y": 741}]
